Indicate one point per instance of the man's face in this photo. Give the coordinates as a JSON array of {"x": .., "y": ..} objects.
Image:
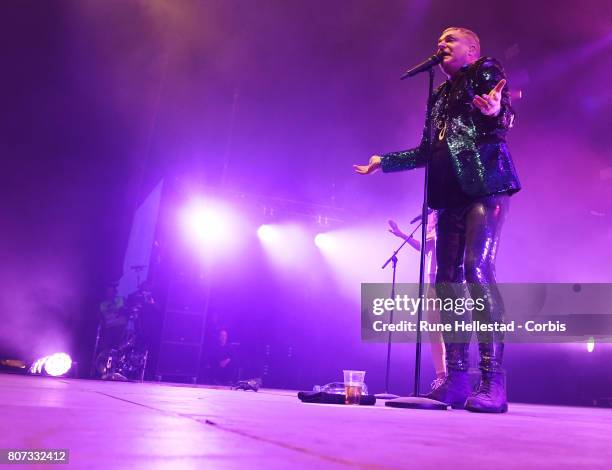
[{"x": 459, "y": 49}]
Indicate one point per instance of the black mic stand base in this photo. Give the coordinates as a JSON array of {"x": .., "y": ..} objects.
[{"x": 417, "y": 403}]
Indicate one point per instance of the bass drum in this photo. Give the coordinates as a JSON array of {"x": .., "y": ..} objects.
[{"x": 108, "y": 365}]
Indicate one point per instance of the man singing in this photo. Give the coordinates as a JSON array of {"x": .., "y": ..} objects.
[{"x": 471, "y": 179}]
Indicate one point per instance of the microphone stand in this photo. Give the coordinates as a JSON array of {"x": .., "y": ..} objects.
[
  {"x": 92, "y": 368},
  {"x": 386, "y": 395},
  {"x": 417, "y": 401}
]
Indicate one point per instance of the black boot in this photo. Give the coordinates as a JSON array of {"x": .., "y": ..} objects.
[
  {"x": 490, "y": 397},
  {"x": 456, "y": 386}
]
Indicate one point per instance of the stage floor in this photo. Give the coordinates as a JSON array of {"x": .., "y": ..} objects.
[{"x": 110, "y": 425}]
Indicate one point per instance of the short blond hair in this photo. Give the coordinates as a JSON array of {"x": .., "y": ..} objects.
[{"x": 470, "y": 34}]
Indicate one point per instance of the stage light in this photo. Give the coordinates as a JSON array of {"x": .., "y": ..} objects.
[
  {"x": 350, "y": 253},
  {"x": 285, "y": 244},
  {"x": 267, "y": 233},
  {"x": 206, "y": 222},
  {"x": 323, "y": 240},
  {"x": 56, "y": 364},
  {"x": 36, "y": 367},
  {"x": 590, "y": 344},
  {"x": 212, "y": 227}
]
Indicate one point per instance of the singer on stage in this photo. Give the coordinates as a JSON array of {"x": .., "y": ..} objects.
[{"x": 471, "y": 178}]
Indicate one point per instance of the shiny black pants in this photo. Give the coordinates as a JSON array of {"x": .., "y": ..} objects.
[{"x": 466, "y": 245}]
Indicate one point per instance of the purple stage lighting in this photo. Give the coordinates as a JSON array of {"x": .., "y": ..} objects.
[
  {"x": 591, "y": 344},
  {"x": 353, "y": 257},
  {"x": 285, "y": 244},
  {"x": 58, "y": 364},
  {"x": 323, "y": 240},
  {"x": 212, "y": 226},
  {"x": 37, "y": 366},
  {"x": 205, "y": 222},
  {"x": 55, "y": 365},
  {"x": 267, "y": 233}
]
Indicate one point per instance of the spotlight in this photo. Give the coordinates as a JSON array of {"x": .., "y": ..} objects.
[
  {"x": 322, "y": 240},
  {"x": 206, "y": 223},
  {"x": 58, "y": 364},
  {"x": 284, "y": 244},
  {"x": 266, "y": 233},
  {"x": 590, "y": 344},
  {"x": 36, "y": 367},
  {"x": 212, "y": 227},
  {"x": 55, "y": 365}
]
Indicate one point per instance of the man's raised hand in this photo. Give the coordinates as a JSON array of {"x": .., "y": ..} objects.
[
  {"x": 490, "y": 104},
  {"x": 395, "y": 230}
]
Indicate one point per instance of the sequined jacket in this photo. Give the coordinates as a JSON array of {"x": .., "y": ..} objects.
[{"x": 477, "y": 143}]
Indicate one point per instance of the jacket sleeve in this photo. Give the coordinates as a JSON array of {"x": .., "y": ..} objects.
[
  {"x": 490, "y": 72},
  {"x": 402, "y": 160}
]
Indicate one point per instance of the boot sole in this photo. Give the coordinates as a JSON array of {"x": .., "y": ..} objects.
[{"x": 502, "y": 409}]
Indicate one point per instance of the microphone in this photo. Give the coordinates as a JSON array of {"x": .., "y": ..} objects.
[
  {"x": 425, "y": 65},
  {"x": 418, "y": 217}
]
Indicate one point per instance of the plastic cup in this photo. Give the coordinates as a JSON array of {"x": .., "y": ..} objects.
[{"x": 353, "y": 386}]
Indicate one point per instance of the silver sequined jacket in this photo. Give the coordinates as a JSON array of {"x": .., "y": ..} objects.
[{"x": 477, "y": 143}]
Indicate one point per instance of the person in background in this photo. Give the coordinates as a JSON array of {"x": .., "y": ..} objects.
[
  {"x": 435, "y": 337},
  {"x": 112, "y": 318},
  {"x": 221, "y": 360}
]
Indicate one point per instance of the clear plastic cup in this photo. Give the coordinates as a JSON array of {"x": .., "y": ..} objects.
[{"x": 353, "y": 386}]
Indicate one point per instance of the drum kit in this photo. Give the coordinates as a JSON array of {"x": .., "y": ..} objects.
[{"x": 119, "y": 353}]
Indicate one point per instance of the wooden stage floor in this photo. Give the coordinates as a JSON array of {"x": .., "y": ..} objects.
[{"x": 110, "y": 425}]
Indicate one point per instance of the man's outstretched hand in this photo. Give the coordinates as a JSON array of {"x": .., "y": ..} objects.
[
  {"x": 490, "y": 104},
  {"x": 371, "y": 167}
]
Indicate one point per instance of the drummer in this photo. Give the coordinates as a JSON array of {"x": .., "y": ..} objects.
[{"x": 112, "y": 318}]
